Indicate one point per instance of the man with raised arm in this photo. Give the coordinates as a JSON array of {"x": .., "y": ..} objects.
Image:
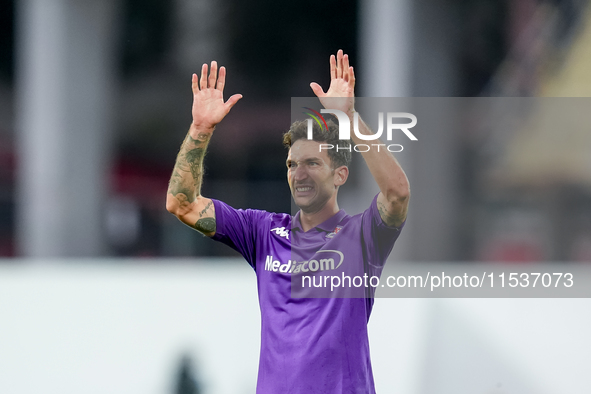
[{"x": 308, "y": 345}]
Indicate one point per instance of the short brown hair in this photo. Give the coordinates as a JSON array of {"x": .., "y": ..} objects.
[{"x": 338, "y": 157}]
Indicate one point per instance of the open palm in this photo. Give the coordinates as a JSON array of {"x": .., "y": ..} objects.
[
  {"x": 341, "y": 92},
  {"x": 209, "y": 107}
]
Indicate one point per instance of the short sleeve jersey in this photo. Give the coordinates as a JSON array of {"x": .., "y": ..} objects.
[{"x": 310, "y": 345}]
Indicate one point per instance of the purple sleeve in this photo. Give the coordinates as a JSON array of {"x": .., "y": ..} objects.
[
  {"x": 238, "y": 228},
  {"x": 378, "y": 237}
]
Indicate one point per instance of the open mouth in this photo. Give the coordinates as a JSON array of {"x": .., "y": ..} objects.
[{"x": 302, "y": 191}]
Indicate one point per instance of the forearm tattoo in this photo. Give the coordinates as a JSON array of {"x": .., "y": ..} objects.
[{"x": 187, "y": 176}]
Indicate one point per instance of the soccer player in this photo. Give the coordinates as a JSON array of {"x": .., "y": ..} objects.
[{"x": 308, "y": 345}]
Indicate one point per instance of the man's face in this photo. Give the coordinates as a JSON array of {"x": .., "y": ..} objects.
[{"x": 310, "y": 175}]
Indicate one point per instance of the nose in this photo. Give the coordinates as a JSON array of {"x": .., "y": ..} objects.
[{"x": 300, "y": 173}]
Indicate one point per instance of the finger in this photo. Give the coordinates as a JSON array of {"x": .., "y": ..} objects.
[
  {"x": 317, "y": 89},
  {"x": 232, "y": 101},
  {"x": 195, "y": 84},
  {"x": 346, "y": 70},
  {"x": 351, "y": 77},
  {"x": 221, "y": 79},
  {"x": 213, "y": 74},
  {"x": 333, "y": 67},
  {"x": 340, "y": 63},
  {"x": 203, "y": 82}
]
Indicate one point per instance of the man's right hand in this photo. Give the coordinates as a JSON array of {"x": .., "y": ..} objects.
[
  {"x": 184, "y": 198},
  {"x": 208, "y": 101}
]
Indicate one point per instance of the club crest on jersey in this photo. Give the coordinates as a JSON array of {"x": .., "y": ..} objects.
[
  {"x": 334, "y": 232},
  {"x": 281, "y": 231}
]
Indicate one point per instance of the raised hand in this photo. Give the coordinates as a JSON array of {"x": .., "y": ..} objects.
[
  {"x": 209, "y": 107},
  {"x": 342, "y": 85}
]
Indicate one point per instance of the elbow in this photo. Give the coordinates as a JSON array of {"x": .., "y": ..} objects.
[
  {"x": 405, "y": 195},
  {"x": 400, "y": 199},
  {"x": 178, "y": 205},
  {"x": 172, "y": 204},
  {"x": 398, "y": 195}
]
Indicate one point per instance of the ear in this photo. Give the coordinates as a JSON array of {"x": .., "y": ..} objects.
[{"x": 340, "y": 175}]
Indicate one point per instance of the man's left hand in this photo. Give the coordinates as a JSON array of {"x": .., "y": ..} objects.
[{"x": 341, "y": 93}]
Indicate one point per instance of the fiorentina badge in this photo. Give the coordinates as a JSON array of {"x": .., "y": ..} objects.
[{"x": 336, "y": 230}]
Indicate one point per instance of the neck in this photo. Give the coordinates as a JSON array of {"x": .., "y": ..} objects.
[{"x": 309, "y": 220}]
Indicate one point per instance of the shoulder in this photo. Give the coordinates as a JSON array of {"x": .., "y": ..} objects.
[
  {"x": 280, "y": 218},
  {"x": 256, "y": 217}
]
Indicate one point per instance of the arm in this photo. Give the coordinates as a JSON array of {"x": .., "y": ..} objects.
[
  {"x": 394, "y": 187},
  {"x": 183, "y": 198}
]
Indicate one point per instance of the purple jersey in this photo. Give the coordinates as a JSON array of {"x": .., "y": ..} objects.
[{"x": 310, "y": 345}]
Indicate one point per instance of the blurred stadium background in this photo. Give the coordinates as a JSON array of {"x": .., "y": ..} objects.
[{"x": 102, "y": 290}]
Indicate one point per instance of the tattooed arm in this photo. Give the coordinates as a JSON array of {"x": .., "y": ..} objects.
[
  {"x": 184, "y": 198},
  {"x": 392, "y": 202}
]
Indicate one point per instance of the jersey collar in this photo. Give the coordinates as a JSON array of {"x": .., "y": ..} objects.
[{"x": 328, "y": 225}]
